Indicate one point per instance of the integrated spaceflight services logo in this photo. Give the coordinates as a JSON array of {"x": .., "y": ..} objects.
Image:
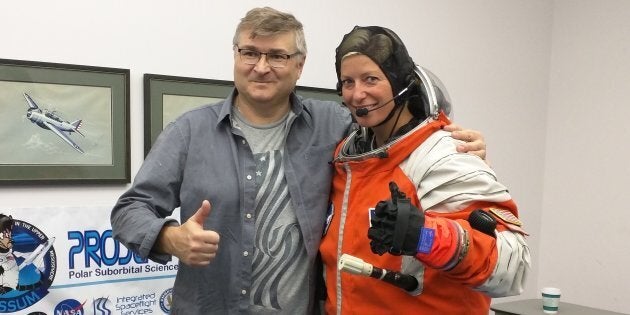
[
  {"x": 102, "y": 306},
  {"x": 28, "y": 264}
]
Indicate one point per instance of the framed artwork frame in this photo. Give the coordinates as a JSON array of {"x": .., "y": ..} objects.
[
  {"x": 166, "y": 97},
  {"x": 318, "y": 93},
  {"x": 63, "y": 123}
]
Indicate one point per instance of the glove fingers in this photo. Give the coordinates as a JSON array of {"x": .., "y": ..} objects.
[
  {"x": 381, "y": 208},
  {"x": 378, "y": 248},
  {"x": 380, "y": 240},
  {"x": 383, "y": 223},
  {"x": 376, "y": 234}
]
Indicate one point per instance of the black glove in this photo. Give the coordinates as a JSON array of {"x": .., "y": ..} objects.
[{"x": 396, "y": 225}]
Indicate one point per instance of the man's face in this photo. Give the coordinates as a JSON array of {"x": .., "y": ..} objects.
[{"x": 261, "y": 84}]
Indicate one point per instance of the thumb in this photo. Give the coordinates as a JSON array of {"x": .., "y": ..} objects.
[
  {"x": 202, "y": 213},
  {"x": 393, "y": 188}
]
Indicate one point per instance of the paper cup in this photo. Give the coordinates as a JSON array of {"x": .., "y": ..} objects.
[{"x": 550, "y": 300}]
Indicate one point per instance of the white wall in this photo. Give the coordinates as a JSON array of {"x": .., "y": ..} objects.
[
  {"x": 506, "y": 73},
  {"x": 585, "y": 230}
]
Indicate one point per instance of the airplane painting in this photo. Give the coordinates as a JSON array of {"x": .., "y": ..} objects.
[{"x": 49, "y": 120}]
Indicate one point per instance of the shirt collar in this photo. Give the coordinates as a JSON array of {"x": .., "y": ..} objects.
[{"x": 224, "y": 114}]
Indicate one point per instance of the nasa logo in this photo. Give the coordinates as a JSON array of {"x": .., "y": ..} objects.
[
  {"x": 69, "y": 307},
  {"x": 28, "y": 264},
  {"x": 166, "y": 300}
]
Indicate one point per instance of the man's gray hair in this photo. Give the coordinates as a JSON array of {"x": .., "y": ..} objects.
[{"x": 269, "y": 22}]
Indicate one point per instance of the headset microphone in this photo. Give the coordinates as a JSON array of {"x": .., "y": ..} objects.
[{"x": 361, "y": 112}]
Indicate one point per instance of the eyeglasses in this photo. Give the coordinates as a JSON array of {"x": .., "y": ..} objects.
[{"x": 276, "y": 60}]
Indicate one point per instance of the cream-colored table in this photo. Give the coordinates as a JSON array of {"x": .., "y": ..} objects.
[{"x": 534, "y": 307}]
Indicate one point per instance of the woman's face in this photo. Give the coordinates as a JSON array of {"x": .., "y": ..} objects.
[{"x": 364, "y": 85}]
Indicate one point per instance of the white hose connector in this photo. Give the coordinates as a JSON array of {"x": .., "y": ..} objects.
[{"x": 354, "y": 265}]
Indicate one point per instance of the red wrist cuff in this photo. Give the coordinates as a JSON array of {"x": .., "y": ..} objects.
[{"x": 441, "y": 243}]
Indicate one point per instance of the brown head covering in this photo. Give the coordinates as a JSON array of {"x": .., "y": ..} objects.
[{"x": 385, "y": 48}]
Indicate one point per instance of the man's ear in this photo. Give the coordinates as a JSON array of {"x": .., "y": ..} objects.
[{"x": 300, "y": 65}]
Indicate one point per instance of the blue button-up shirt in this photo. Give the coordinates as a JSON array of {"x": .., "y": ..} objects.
[{"x": 200, "y": 156}]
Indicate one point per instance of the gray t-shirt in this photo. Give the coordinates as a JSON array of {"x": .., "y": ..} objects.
[{"x": 280, "y": 263}]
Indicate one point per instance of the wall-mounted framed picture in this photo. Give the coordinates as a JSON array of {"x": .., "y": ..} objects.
[
  {"x": 318, "y": 93},
  {"x": 166, "y": 97},
  {"x": 63, "y": 123}
]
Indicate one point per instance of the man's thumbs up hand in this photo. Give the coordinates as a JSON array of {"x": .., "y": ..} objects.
[
  {"x": 189, "y": 242},
  {"x": 202, "y": 213}
]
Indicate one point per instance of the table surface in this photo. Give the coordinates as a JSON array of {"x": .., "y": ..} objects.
[{"x": 534, "y": 307}]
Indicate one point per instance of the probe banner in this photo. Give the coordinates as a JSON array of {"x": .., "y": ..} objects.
[{"x": 64, "y": 260}]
